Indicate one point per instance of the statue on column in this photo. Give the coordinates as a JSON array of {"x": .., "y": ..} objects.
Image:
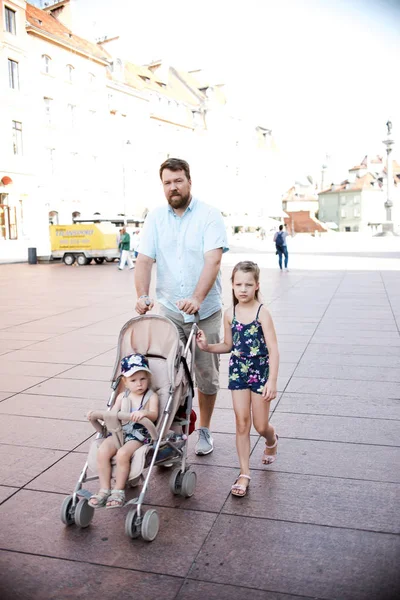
[{"x": 389, "y": 127}]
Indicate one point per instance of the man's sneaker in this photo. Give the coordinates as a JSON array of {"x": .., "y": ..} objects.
[{"x": 205, "y": 443}]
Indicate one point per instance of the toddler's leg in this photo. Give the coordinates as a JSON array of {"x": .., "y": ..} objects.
[
  {"x": 106, "y": 451},
  {"x": 124, "y": 456},
  {"x": 241, "y": 406}
]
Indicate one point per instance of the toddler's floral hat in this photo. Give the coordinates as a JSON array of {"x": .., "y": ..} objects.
[{"x": 133, "y": 363}]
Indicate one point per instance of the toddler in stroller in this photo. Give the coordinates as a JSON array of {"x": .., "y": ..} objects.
[
  {"x": 150, "y": 423},
  {"x": 136, "y": 377}
]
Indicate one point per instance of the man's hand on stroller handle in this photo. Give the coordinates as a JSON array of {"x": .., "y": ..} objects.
[
  {"x": 190, "y": 306},
  {"x": 144, "y": 304}
]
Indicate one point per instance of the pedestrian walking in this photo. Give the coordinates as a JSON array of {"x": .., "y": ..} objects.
[
  {"x": 281, "y": 247},
  {"x": 124, "y": 246},
  {"x": 186, "y": 238},
  {"x": 253, "y": 367}
]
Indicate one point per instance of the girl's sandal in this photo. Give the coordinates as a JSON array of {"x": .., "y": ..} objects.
[
  {"x": 118, "y": 499},
  {"x": 268, "y": 459},
  {"x": 238, "y": 489},
  {"x": 99, "y": 500}
]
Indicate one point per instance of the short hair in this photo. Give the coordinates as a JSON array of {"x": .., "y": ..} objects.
[
  {"x": 280, "y": 227},
  {"x": 175, "y": 164}
]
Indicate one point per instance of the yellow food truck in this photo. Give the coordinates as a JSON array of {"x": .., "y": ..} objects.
[{"x": 82, "y": 242}]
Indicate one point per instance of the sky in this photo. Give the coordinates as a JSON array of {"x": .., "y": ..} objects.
[{"x": 322, "y": 74}]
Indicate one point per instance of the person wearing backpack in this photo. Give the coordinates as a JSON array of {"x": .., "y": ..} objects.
[
  {"x": 281, "y": 247},
  {"x": 124, "y": 246}
]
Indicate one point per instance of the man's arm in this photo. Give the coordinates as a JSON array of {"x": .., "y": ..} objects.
[
  {"x": 143, "y": 267},
  {"x": 208, "y": 275}
]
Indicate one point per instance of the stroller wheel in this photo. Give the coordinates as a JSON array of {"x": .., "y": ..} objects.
[
  {"x": 132, "y": 525},
  {"x": 188, "y": 484},
  {"x": 67, "y": 513},
  {"x": 83, "y": 513},
  {"x": 175, "y": 481},
  {"x": 150, "y": 525}
]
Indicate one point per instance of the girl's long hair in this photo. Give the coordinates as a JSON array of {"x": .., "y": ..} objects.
[{"x": 246, "y": 266}]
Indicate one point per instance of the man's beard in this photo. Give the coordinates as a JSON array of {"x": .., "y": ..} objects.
[{"x": 179, "y": 201}]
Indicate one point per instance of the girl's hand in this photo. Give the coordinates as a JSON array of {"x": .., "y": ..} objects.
[
  {"x": 202, "y": 340},
  {"x": 137, "y": 415},
  {"x": 269, "y": 391}
]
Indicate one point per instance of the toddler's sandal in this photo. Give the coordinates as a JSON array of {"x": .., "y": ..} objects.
[
  {"x": 117, "y": 497},
  {"x": 99, "y": 500}
]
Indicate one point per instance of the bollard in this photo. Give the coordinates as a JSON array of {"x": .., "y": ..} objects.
[{"x": 32, "y": 256}]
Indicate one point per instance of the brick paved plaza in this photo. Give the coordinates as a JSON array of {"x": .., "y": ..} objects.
[{"x": 322, "y": 522}]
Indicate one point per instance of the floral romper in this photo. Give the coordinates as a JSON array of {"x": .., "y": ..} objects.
[{"x": 249, "y": 361}]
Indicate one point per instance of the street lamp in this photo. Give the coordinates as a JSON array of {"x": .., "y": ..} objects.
[{"x": 387, "y": 227}]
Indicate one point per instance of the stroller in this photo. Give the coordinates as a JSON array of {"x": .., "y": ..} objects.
[{"x": 157, "y": 338}]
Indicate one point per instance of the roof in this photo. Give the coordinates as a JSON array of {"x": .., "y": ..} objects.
[
  {"x": 365, "y": 182},
  {"x": 46, "y": 24}
]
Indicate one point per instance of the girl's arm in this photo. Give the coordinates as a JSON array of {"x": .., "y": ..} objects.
[
  {"x": 151, "y": 412},
  {"x": 269, "y": 392},
  {"x": 221, "y": 348}
]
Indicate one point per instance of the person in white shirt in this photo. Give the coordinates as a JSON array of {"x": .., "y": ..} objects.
[{"x": 186, "y": 238}]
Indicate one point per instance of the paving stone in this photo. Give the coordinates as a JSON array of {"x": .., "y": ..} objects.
[
  {"x": 320, "y": 500},
  {"x": 43, "y": 433},
  {"x": 366, "y": 389},
  {"x": 20, "y": 464},
  {"x": 224, "y": 454},
  {"x": 333, "y": 459},
  {"x": 202, "y": 590},
  {"x": 6, "y": 492},
  {"x": 90, "y": 373},
  {"x": 31, "y": 524},
  {"x": 40, "y": 577},
  {"x": 386, "y": 432},
  {"x": 370, "y": 373},
  {"x": 77, "y": 388},
  {"x": 36, "y": 369},
  {"x": 326, "y": 563},
  {"x": 310, "y": 357},
  {"x": 50, "y": 407},
  {"x": 72, "y": 357},
  {"x": 319, "y": 404},
  {"x": 20, "y": 383}
]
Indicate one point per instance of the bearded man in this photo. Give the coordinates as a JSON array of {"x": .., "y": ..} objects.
[{"x": 186, "y": 238}]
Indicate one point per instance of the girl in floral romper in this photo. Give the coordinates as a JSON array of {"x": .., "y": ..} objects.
[{"x": 253, "y": 367}]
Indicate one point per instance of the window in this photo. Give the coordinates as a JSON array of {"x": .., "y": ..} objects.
[
  {"x": 47, "y": 110},
  {"x": 70, "y": 73},
  {"x": 343, "y": 213},
  {"x": 13, "y": 75},
  {"x": 71, "y": 114},
  {"x": 46, "y": 60},
  {"x": 342, "y": 200},
  {"x": 357, "y": 211},
  {"x": 10, "y": 20},
  {"x": 356, "y": 199},
  {"x": 17, "y": 137}
]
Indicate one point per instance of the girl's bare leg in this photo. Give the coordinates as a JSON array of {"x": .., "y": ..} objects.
[
  {"x": 104, "y": 455},
  {"x": 241, "y": 406},
  {"x": 260, "y": 409},
  {"x": 124, "y": 456}
]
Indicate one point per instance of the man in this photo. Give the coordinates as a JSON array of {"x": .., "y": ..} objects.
[
  {"x": 187, "y": 239},
  {"x": 124, "y": 246},
  {"x": 281, "y": 247}
]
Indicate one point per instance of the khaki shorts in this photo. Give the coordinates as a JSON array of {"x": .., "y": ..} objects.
[{"x": 206, "y": 365}]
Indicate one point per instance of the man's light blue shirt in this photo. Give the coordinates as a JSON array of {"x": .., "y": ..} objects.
[{"x": 178, "y": 245}]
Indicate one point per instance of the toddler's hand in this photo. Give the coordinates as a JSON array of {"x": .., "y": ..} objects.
[
  {"x": 137, "y": 415},
  {"x": 202, "y": 340}
]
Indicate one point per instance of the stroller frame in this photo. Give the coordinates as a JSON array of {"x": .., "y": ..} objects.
[{"x": 75, "y": 508}]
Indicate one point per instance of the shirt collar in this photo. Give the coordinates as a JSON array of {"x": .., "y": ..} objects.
[{"x": 191, "y": 206}]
